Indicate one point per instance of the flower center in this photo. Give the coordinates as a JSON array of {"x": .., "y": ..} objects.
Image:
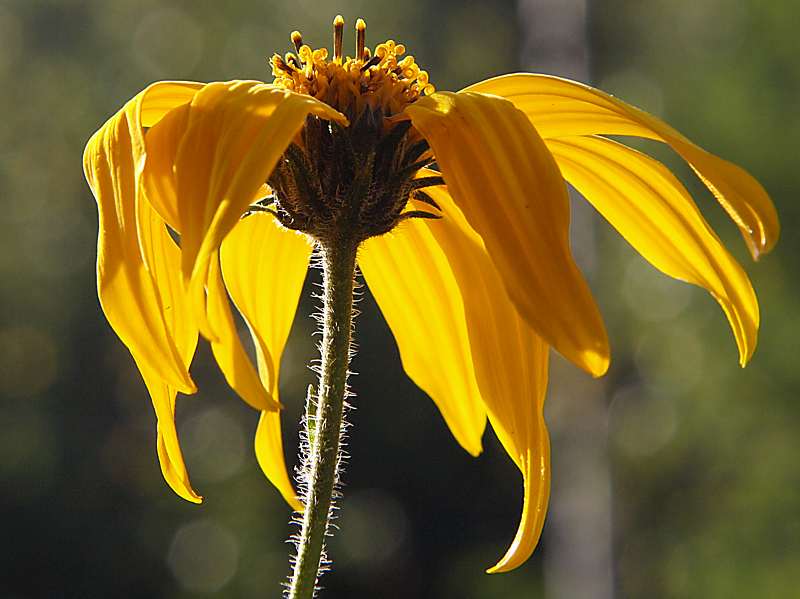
[
  {"x": 354, "y": 182},
  {"x": 379, "y": 80}
]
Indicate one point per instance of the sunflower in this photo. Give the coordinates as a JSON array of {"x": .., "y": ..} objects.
[{"x": 454, "y": 206}]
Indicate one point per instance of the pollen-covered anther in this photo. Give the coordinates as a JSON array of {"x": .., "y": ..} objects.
[
  {"x": 361, "y": 38},
  {"x": 383, "y": 79},
  {"x": 338, "y": 37},
  {"x": 297, "y": 40}
]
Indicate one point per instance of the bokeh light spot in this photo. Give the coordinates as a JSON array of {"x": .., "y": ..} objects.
[
  {"x": 373, "y": 528},
  {"x": 203, "y": 556},
  {"x": 641, "y": 423},
  {"x": 652, "y": 296},
  {"x": 673, "y": 355},
  {"x": 214, "y": 445}
]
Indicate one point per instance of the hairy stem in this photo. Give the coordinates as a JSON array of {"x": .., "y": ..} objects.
[{"x": 324, "y": 436}]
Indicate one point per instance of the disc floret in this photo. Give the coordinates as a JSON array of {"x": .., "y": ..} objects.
[{"x": 382, "y": 79}]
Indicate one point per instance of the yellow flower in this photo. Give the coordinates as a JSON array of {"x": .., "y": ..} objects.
[{"x": 475, "y": 296}]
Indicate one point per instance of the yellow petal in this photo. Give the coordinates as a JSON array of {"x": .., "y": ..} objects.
[
  {"x": 227, "y": 346},
  {"x": 269, "y": 454},
  {"x": 655, "y": 213},
  {"x": 161, "y": 97},
  {"x": 415, "y": 289},
  {"x": 264, "y": 267},
  {"x": 502, "y": 176},
  {"x": 150, "y": 106},
  {"x": 559, "y": 107},
  {"x": 234, "y": 134},
  {"x": 536, "y": 494},
  {"x": 170, "y": 456},
  {"x": 158, "y": 177},
  {"x": 163, "y": 261},
  {"x": 139, "y": 280},
  {"x": 511, "y": 363},
  {"x": 126, "y": 290}
]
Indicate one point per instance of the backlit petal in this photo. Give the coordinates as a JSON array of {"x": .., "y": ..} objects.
[
  {"x": 170, "y": 456},
  {"x": 264, "y": 267},
  {"x": 505, "y": 180},
  {"x": 161, "y": 97},
  {"x": 162, "y": 257},
  {"x": 412, "y": 282},
  {"x": 139, "y": 281},
  {"x": 126, "y": 290},
  {"x": 158, "y": 177},
  {"x": 269, "y": 454},
  {"x": 227, "y": 345},
  {"x": 650, "y": 208},
  {"x": 559, "y": 107},
  {"x": 233, "y": 135},
  {"x": 511, "y": 363}
]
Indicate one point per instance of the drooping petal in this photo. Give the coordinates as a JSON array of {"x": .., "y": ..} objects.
[
  {"x": 650, "y": 208},
  {"x": 264, "y": 267},
  {"x": 158, "y": 177},
  {"x": 162, "y": 258},
  {"x": 560, "y": 107},
  {"x": 233, "y": 135},
  {"x": 505, "y": 180},
  {"x": 170, "y": 456},
  {"x": 127, "y": 292},
  {"x": 535, "y": 466},
  {"x": 270, "y": 457},
  {"x": 206, "y": 163},
  {"x": 511, "y": 363},
  {"x": 227, "y": 346},
  {"x": 160, "y": 98},
  {"x": 150, "y": 106},
  {"x": 139, "y": 282},
  {"x": 412, "y": 282}
]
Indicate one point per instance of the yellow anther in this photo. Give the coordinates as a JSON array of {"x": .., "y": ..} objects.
[
  {"x": 291, "y": 60},
  {"x": 297, "y": 40},
  {"x": 338, "y": 33},
  {"x": 361, "y": 38},
  {"x": 305, "y": 53},
  {"x": 383, "y": 79}
]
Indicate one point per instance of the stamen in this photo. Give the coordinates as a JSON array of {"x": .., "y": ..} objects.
[
  {"x": 385, "y": 79},
  {"x": 338, "y": 33},
  {"x": 361, "y": 38},
  {"x": 279, "y": 64},
  {"x": 293, "y": 60},
  {"x": 297, "y": 40},
  {"x": 370, "y": 63}
]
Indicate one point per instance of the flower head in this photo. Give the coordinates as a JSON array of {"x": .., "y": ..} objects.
[{"x": 346, "y": 147}]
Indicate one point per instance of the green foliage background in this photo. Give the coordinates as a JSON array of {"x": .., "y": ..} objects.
[{"x": 705, "y": 487}]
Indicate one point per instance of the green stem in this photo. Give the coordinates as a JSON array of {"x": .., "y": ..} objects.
[{"x": 324, "y": 428}]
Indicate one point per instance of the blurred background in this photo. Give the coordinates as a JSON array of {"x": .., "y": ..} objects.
[{"x": 674, "y": 476}]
